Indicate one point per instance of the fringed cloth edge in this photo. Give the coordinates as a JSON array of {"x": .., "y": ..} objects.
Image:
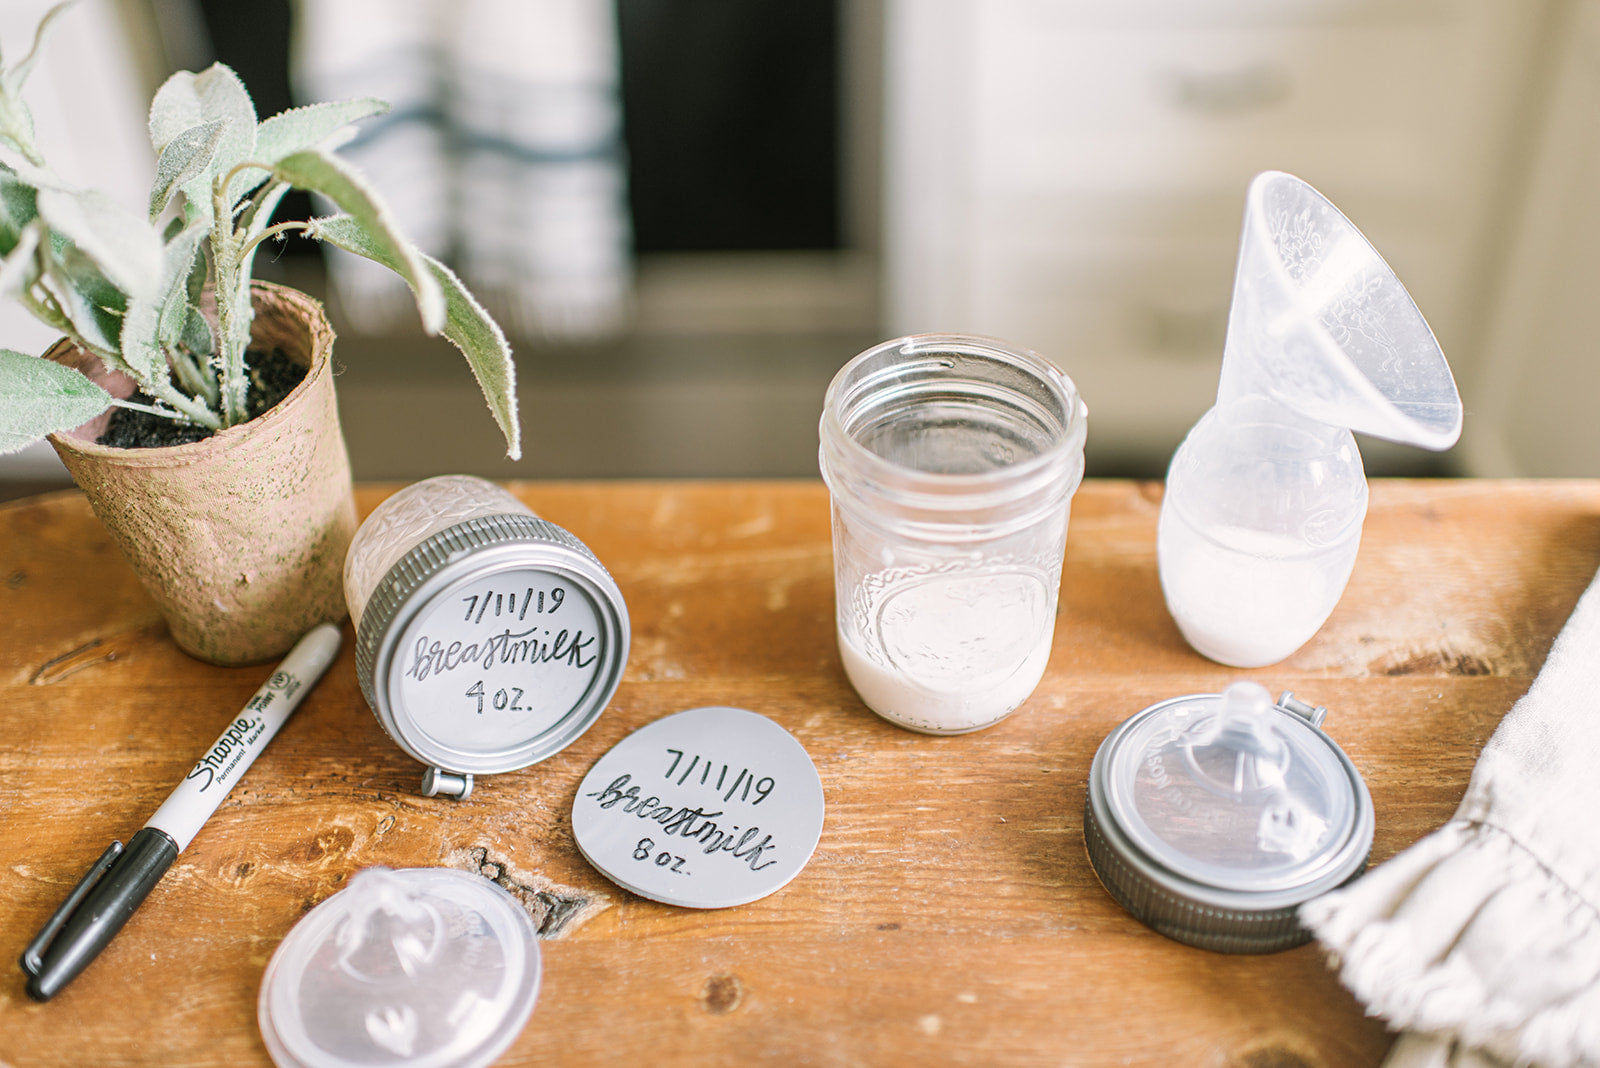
[{"x": 1467, "y": 934}]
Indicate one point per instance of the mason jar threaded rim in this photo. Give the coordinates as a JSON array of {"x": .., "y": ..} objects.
[{"x": 911, "y": 370}]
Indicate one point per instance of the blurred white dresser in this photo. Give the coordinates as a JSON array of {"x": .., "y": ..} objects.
[
  {"x": 1070, "y": 174},
  {"x": 1536, "y": 400}
]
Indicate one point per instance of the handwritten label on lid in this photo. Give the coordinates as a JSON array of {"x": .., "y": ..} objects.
[
  {"x": 709, "y": 808},
  {"x": 497, "y": 661}
]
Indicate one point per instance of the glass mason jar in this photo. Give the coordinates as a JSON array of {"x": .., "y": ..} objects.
[{"x": 951, "y": 462}]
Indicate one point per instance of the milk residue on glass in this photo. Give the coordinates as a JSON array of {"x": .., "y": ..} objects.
[
  {"x": 955, "y": 653},
  {"x": 951, "y": 462}
]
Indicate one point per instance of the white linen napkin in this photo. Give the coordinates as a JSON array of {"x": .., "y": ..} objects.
[{"x": 1482, "y": 940}]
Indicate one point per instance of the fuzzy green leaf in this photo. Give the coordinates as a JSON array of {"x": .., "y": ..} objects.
[
  {"x": 157, "y": 319},
  {"x": 342, "y": 184},
  {"x": 198, "y": 276},
  {"x": 16, "y": 125},
  {"x": 467, "y": 326},
  {"x": 196, "y": 333},
  {"x": 91, "y": 303},
  {"x": 20, "y": 269},
  {"x": 19, "y": 206},
  {"x": 177, "y": 285},
  {"x": 39, "y": 397},
  {"x": 188, "y": 154},
  {"x": 125, "y": 247},
  {"x": 13, "y": 77},
  {"x": 187, "y": 100},
  {"x": 16, "y": 121},
  {"x": 298, "y": 129}
]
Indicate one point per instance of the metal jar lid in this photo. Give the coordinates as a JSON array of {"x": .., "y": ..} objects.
[
  {"x": 1213, "y": 817},
  {"x": 491, "y": 645}
]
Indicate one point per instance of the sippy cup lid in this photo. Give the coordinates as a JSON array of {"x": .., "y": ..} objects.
[
  {"x": 1213, "y": 817},
  {"x": 420, "y": 966}
]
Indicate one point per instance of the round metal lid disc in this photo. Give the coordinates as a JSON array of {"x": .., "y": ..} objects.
[{"x": 709, "y": 808}]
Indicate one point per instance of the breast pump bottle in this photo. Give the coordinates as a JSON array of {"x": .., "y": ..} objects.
[{"x": 1266, "y": 496}]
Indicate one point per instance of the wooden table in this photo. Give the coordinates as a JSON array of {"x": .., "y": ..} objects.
[{"x": 949, "y": 915}]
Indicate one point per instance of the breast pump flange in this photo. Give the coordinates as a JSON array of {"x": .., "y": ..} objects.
[{"x": 1266, "y": 495}]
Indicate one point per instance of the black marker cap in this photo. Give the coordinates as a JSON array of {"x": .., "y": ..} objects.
[{"x": 95, "y": 911}]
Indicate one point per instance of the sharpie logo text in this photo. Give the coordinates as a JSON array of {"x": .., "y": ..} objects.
[{"x": 228, "y": 751}]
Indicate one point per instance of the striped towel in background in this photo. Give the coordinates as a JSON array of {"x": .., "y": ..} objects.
[{"x": 502, "y": 156}]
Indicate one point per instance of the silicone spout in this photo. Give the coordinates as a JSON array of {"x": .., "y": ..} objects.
[
  {"x": 1244, "y": 755},
  {"x": 1239, "y": 752},
  {"x": 1266, "y": 496},
  {"x": 391, "y": 934}
]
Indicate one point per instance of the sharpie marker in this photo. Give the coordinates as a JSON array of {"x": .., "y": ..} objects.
[{"x": 121, "y": 879}]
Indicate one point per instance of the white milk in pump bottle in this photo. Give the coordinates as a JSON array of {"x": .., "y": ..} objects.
[{"x": 1266, "y": 496}]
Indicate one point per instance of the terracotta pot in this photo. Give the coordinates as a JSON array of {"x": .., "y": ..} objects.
[{"x": 239, "y": 538}]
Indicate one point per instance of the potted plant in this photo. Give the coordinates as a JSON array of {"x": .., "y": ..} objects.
[{"x": 239, "y": 528}]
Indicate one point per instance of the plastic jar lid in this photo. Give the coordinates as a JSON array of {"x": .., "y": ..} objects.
[
  {"x": 421, "y": 966},
  {"x": 1213, "y": 817},
  {"x": 491, "y": 645}
]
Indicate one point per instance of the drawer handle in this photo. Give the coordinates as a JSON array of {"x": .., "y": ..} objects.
[{"x": 1230, "y": 92}]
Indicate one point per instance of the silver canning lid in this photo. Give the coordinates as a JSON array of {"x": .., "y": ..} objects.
[
  {"x": 1213, "y": 817},
  {"x": 705, "y": 809},
  {"x": 491, "y": 645}
]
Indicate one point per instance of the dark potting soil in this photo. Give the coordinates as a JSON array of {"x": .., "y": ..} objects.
[{"x": 272, "y": 376}]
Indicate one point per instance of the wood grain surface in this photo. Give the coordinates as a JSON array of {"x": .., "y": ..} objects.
[{"x": 949, "y": 916}]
